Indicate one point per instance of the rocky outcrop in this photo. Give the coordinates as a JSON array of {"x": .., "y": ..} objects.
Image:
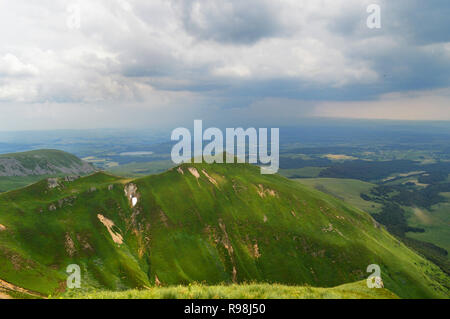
[
  {"x": 131, "y": 192},
  {"x": 13, "y": 167},
  {"x": 36, "y": 163}
]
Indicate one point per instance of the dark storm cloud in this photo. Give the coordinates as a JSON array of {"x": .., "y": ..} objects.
[
  {"x": 174, "y": 57},
  {"x": 404, "y": 66},
  {"x": 234, "y": 22},
  {"x": 423, "y": 22}
]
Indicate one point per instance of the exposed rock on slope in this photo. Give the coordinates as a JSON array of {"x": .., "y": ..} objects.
[{"x": 43, "y": 162}]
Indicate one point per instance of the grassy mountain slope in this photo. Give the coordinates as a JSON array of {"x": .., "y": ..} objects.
[
  {"x": 349, "y": 190},
  {"x": 8, "y": 183},
  {"x": 21, "y": 169},
  {"x": 42, "y": 162},
  {"x": 199, "y": 223},
  {"x": 433, "y": 242}
]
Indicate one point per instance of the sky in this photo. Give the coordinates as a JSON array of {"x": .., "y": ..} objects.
[{"x": 163, "y": 63}]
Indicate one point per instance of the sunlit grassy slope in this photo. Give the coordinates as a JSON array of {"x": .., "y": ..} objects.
[
  {"x": 434, "y": 221},
  {"x": 8, "y": 183},
  {"x": 349, "y": 190},
  {"x": 356, "y": 290},
  {"x": 199, "y": 223}
]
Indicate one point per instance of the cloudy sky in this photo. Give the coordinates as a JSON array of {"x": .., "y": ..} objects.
[{"x": 161, "y": 63}]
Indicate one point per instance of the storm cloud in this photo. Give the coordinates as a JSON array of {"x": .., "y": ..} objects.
[{"x": 108, "y": 63}]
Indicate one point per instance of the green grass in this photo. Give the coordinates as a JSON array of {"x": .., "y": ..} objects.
[
  {"x": 436, "y": 223},
  {"x": 305, "y": 172},
  {"x": 243, "y": 227},
  {"x": 356, "y": 290},
  {"x": 32, "y": 158},
  {"x": 348, "y": 190},
  {"x": 8, "y": 183},
  {"x": 140, "y": 169},
  {"x": 51, "y": 161}
]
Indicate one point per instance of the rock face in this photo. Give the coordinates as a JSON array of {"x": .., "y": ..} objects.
[{"x": 43, "y": 162}]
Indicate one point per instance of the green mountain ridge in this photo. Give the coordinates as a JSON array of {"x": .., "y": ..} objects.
[
  {"x": 198, "y": 223},
  {"x": 42, "y": 162}
]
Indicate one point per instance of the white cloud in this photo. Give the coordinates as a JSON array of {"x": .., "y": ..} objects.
[
  {"x": 163, "y": 55},
  {"x": 10, "y": 65}
]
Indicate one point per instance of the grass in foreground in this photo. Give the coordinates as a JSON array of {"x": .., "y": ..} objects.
[{"x": 356, "y": 290}]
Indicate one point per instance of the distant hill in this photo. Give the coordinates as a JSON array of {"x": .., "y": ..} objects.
[
  {"x": 42, "y": 162},
  {"x": 201, "y": 223}
]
